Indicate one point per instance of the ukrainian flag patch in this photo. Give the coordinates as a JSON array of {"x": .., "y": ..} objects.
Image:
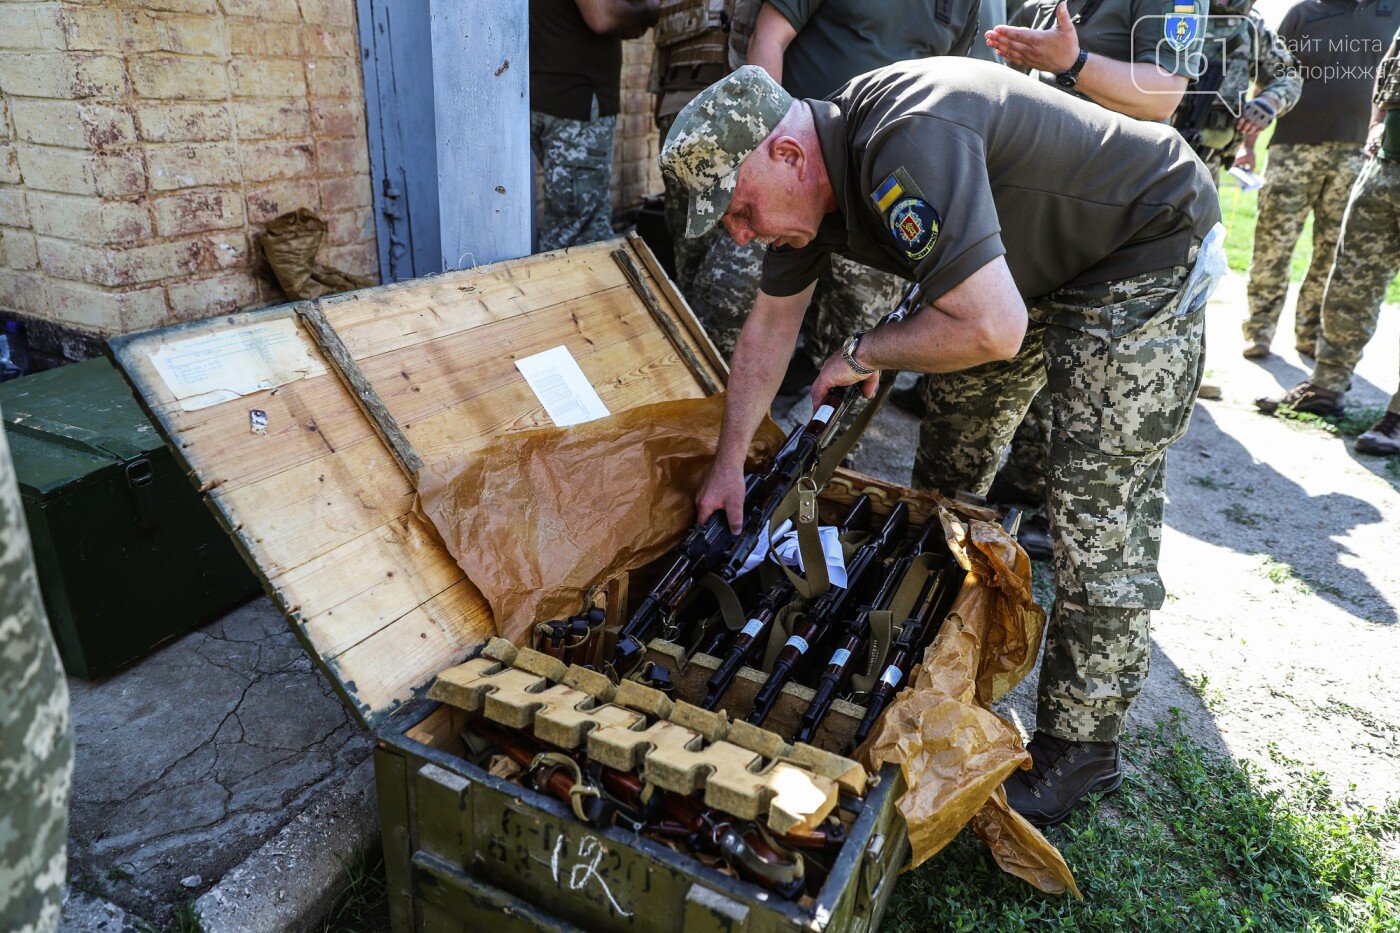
[{"x": 888, "y": 192}]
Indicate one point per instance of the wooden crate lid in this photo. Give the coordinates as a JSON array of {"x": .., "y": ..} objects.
[{"x": 318, "y": 501}]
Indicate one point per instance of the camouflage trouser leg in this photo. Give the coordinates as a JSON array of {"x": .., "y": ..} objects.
[
  {"x": 577, "y": 159},
  {"x": 725, "y": 289},
  {"x": 1366, "y": 262},
  {"x": 848, "y": 298},
  {"x": 1315, "y": 177},
  {"x": 689, "y": 253},
  {"x": 1120, "y": 394},
  {"x": 1022, "y": 477},
  {"x": 36, "y": 740}
]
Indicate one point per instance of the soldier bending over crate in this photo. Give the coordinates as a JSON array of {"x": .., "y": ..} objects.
[{"x": 1054, "y": 241}]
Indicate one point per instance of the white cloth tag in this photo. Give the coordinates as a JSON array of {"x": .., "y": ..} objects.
[{"x": 785, "y": 550}]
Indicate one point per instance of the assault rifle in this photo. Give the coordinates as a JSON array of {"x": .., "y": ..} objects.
[
  {"x": 827, "y": 610},
  {"x": 712, "y": 548},
  {"x": 934, "y": 599},
  {"x": 775, "y": 599},
  {"x": 858, "y": 632},
  {"x": 606, "y": 797}
]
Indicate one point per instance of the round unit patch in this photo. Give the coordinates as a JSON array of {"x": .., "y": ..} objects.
[{"x": 914, "y": 223}]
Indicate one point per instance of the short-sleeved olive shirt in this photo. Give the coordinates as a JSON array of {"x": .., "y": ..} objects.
[
  {"x": 940, "y": 166},
  {"x": 1132, "y": 30}
]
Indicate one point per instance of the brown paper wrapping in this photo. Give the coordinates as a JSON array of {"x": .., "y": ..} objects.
[
  {"x": 953, "y": 750},
  {"x": 537, "y": 517}
]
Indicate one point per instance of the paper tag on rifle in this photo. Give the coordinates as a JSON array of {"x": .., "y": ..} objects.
[{"x": 785, "y": 550}]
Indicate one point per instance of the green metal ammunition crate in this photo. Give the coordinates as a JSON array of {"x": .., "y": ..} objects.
[
  {"x": 310, "y": 460},
  {"x": 127, "y": 553}
]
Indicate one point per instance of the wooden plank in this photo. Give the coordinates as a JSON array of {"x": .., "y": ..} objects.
[
  {"x": 391, "y": 317},
  {"x": 355, "y": 382},
  {"x": 481, "y": 68},
  {"x": 664, "y": 320},
  {"x": 680, "y": 307}
]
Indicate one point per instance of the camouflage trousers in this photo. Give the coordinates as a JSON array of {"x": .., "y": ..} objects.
[
  {"x": 36, "y": 739},
  {"x": 1120, "y": 363},
  {"x": 1368, "y": 257},
  {"x": 849, "y": 297},
  {"x": 576, "y": 156},
  {"x": 1315, "y": 177},
  {"x": 689, "y": 253}
]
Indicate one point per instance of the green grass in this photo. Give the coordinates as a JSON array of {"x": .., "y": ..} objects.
[
  {"x": 1350, "y": 423},
  {"x": 187, "y": 920},
  {"x": 1238, "y": 210},
  {"x": 362, "y": 905},
  {"x": 1192, "y": 842}
]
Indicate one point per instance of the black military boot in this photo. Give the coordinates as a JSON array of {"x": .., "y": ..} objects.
[{"x": 1062, "y": 774}]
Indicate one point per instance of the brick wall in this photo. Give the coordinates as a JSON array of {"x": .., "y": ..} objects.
[{"x": 145, "y": 143}]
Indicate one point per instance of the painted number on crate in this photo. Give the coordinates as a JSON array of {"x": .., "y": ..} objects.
[{"x": 581, "y": 869}]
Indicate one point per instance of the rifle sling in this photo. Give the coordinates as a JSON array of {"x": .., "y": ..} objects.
[
  {"x": 730, "y": 609},
  {"x": 800, "y": 503}
]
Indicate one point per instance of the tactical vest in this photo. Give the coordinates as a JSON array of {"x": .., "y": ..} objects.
[
  {"x": 1202, "y": 117},
  {"x": 1387, "y": 98},
  {"x": 694, "y": 36}
]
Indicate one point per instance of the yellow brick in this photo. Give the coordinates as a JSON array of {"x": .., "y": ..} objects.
[
  {"x": 51, "y": 169},
  {"x": 342, "y": 156},
  {"x": 270, "y": 201},
  {"x": 333, "y": 78},
  {"x": 92, "y": 29},
  {"x": 86, "y": 307},
  {"x": 14, "y": 211},
  {"x": 142, "y": 309},
  {"x": 171, "y": 32},
  {"x": 198, "y": 211},
  {"x": 73, "y": 124},
  {"x": 4, "y": 119},
  {"x": 271, "y": 119},
  {"x": 167, "y": 77},
  {"x": 18, "y": 249},
  {"x": 30, "y": 26},
  {"x": 78, "y": 262},
  {"x": 271, "y": 11},
  {"x": 9, "y": 166},
  {"x": 191, "y": 166},
  {"x": 181, "y": 6},
  {"x": 329, "y": 12},
  {"x": 255, "y": 40},
  {"x": 224, "y": 251},
  {"x": 329, "y": 42},
  {"x": 333, "y": 117},
  {"x": 174, "y": 122},
  {"x": 267, "y": 78},
  {"x": 218, "y": 294},
  {"x": 268, "y": 160},
  {"x": 61, "y": 75},
  {"x": 347, "y": 192},
  {"x": 88, "y": 218},
  {"x": 349, "y": 227},
  {"x": 24, "y": 291}
]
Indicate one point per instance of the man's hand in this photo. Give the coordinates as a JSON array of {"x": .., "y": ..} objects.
[
  {"x": 722, "y": 489},
  {"x": 1244, "y": 159},
  {"x": 1053, "y": 50},
  {"x": 1257, "y": 114},
  {"x": 837, "y": 373},
  {"x": 1374, "y": 138}
]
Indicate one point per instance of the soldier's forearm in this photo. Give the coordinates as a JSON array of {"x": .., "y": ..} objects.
[{"x": 1137, "y": 89}]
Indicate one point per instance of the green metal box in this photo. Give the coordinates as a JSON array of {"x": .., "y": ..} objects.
[
  {"x": 306, "y": 425},
  {"x": 127, "y": 553}
]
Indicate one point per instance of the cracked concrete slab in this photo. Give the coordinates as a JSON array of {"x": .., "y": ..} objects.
[{"x": 195, "y": 757}]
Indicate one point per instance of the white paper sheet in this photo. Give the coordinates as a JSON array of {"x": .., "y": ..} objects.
[
  {"x": 562, "y": 388},
  {"x": 1247, "y": 179},
  {"x": 218, "y": 367}
]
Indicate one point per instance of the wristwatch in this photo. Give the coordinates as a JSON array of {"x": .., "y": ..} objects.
[
  {"x": 1071, "y": 78},
  {"x": 848, "y": 353}
]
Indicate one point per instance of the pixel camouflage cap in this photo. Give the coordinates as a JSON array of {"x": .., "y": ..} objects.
[{"x": 713, "y": 134}]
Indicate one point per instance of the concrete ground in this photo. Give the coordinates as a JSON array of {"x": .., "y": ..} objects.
[
  {"x": 192, "y": 759},
  {"x": 223, "y": 768}
]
